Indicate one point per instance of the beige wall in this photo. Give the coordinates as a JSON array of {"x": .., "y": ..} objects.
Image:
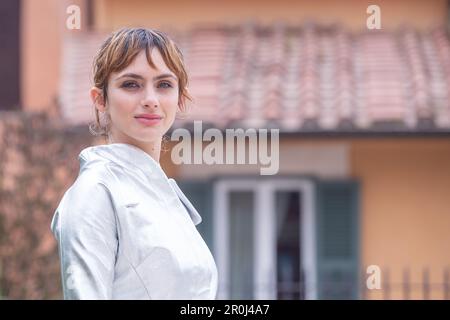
[
  {"x": 43, "y": 29},
  {"x": 405, "y": 219},
  {"x": 405, "y": 196},
  {"x": 324, "y": 159},
  {"x": 112, "y": 14},
  {"x": 40, "y": 53}
]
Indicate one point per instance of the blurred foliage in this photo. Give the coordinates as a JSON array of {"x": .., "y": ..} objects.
[{"x": 38, "y": 162}]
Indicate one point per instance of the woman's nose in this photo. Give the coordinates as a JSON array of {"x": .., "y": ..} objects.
[{"x": 150, "y": 99}]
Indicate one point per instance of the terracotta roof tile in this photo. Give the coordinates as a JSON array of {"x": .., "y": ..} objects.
[{"x": 295, "y": 77}]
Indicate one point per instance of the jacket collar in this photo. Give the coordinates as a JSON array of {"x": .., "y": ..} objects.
[
  {"x": 124, "y": 154},
  {"x": 130, "y": 156},
  {"x": 195, "y": 216}
]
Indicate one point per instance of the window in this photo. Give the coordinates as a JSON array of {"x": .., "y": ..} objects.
[{"x": 264, "y": 236}]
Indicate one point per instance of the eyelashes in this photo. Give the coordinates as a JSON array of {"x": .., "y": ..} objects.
[
  {"x": 165, "y": 84},
  {"x": 134, "y": 85},
  {"x": 129, "y": 85}
]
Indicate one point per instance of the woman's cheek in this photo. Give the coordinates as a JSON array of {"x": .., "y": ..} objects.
[
  {"x": 171, "y": 106},
  {"x": 127, "y": 102},
  {"x": 172, "y": 117}
]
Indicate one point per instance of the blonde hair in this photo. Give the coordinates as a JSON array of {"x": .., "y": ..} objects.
[{"x": 119, "y": 50}]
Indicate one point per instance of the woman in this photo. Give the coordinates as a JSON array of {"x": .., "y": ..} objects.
[{"x": 124, "y": 230}]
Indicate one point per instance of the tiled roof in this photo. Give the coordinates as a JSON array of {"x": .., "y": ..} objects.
[{"x": 298, "y": 79}]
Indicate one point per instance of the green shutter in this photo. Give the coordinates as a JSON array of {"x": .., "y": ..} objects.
[
  {"x": 337, "y": 239},
  {"x": 200, "y": 194}
]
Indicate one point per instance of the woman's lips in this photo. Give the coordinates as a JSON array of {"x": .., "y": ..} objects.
[{"x": 150, "y": 121}]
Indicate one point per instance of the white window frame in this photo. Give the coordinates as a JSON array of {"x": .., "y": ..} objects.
[{"x": 265, "y": 232}]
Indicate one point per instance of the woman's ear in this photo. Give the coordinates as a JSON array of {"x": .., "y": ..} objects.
[{"x": 97, "y": 99}]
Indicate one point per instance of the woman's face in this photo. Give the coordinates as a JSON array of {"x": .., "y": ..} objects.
[{"x": 140, "y": 90}]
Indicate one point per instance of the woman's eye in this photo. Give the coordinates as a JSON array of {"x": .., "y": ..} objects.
[
  {"x": 164, "y": 85},
  {"x": 130, "y": 85}
]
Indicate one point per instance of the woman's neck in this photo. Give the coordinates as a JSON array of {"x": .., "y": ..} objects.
[{"x": 152, "y": 148}]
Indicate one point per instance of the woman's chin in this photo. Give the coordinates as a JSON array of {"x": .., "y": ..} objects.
[{"x": 149, "y": 137}]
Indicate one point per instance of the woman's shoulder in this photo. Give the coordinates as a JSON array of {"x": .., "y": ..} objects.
[
  {"x": 98, "y": 184},
  {"x": 87, "y": 199}
]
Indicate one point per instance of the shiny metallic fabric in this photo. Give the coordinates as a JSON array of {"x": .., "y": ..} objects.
[{"x": 126, "y": 231}]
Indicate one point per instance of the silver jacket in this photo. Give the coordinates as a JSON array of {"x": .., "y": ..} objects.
[{"x": 126, "y": 231}]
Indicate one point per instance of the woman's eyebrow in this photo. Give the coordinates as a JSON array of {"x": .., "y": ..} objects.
[
  {"x": 130, "y": 75},
  {"x": 164, "y": 75},
  {"x": 137, "y": 76}
]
